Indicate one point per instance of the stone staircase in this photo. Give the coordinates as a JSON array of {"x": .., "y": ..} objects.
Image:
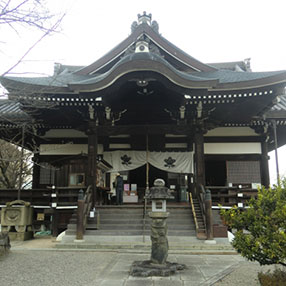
[
  {"x": 122, "y": 228},
  {"x": 127, "y": 220}
]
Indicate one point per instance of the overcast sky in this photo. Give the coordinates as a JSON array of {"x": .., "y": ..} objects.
[{"x": 209, "y": 30}]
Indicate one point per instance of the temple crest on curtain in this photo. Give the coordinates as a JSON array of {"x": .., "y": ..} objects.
[{"x": 176, "y": 162}]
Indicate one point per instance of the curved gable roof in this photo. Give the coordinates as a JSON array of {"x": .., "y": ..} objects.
[{"x": 161, "y": 42}]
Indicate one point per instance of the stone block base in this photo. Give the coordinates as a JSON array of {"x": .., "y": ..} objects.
[
  {"x": 4, "y": 243},
  {"x": 220, "y": 230},
  {"x": 21, "y": 236},
  {"x": 147, "y": 268}
]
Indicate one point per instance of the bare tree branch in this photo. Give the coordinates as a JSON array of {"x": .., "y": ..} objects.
[
  {"x": 33, "y": 46},
  {"x": 28, "y": 14},
  {"x": 31, "y": 13}
]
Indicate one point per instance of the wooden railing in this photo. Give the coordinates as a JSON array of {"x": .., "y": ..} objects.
[
  {"x": 60, "y": 196},
  {"x": 205, "y": 202},
  {"x": 194, "y": 212},
  {"x": 84, "y": 206},
  {"x": 37, "y": 197},
  {"x": 230, "y": 196},
  {"x": 54, "y": 206}
]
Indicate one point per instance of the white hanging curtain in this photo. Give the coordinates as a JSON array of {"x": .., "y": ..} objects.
[
  {"x": 175, "y": 162},
  {"x": 125, "y": 160}
]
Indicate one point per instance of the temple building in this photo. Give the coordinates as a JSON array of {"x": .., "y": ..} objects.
[{"x": 148, "y": 110}]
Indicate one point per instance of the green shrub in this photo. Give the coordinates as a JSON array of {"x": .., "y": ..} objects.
[{"x": 261, "y": 228}]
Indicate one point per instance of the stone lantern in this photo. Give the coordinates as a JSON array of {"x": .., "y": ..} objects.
[
  {"x": 158, "y": 264},
  {"x": 158, "y": 196}
]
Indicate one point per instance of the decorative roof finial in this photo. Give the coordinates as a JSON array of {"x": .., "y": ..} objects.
[{"x": 144, "y": 18}]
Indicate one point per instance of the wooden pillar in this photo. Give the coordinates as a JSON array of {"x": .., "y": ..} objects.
[
  {"x": 209, "y": 215},
  {"x": 264, "y": 164},
  {"x": 199, "y": 157},
  {"x": 190, "y": 144},
  {"x": 36, "y": 172},
  {"x": 92, "y": 155},
  {"x": 274, "y": 125},
  {"x": 80, "y": 216}
]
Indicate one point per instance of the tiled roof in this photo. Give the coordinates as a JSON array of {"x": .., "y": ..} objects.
[
  {"x": 66, "y": 80},
  {"x": 280, "y": 105},
  {"x": 227, "y": 76},
  {"x": 10, "y": 111},
  {"x": 233, "y": 66}
]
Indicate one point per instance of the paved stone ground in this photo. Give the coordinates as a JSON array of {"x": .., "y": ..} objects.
[
  {"x": 46, "y": 267},
  {"x": 37, "y": 262},
  {"x": 245, "y": 274}
]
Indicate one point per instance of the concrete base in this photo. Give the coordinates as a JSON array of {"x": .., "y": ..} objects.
[
  {"x": 210, "y": 241},
  {"x": 137, "y": 239},
  {"x": 133, "y": 243},
  {"x": 147, "y": 268},
  {"x": 79, "y": 240},
  {"x": 21, "y": 236}
]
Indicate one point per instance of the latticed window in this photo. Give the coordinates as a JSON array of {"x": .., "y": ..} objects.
[
  {"x": 243, "y": 172},
  {"x": 47, "y": 174}
]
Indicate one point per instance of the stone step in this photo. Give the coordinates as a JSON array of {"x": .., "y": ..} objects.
[
  {"x": 133, "y": 227},
  {"x": 131, "y": 232},
  {"x": 128, "y": 220},
  {"x": 138, "y": 232},
  {"x": 179, "y": 223},
  {"x": 141, "y": 210},
  {"x": 147, "y": 221},
  {"x": 135, "y": 224},
  {"x": 138, "y": 218}
]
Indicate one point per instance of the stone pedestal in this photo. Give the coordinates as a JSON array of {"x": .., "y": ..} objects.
[
  {"x": 17, "y": 220},
  {"x": 160, "y": 247},
  {"x": 158, "y": 264}
]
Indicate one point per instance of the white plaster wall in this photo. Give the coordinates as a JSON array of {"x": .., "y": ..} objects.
[
  {"x": 233, "y": 148},
  {"x": 66, "y": 149},
  {"x": 231, "y": 131}
]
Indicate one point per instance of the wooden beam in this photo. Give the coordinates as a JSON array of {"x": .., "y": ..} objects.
[
  {"x": 233, "y": 157},
  {"x": 145, "y": 129},
  {"x": 228, "y": 139}
]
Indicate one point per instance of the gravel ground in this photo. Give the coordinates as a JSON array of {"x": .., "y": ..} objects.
[{"x": 29, "y": 268}]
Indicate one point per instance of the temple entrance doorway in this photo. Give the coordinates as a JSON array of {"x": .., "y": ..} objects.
[
  {"x": 138, "y": 176},
  {"x": 215, "y": 173}
]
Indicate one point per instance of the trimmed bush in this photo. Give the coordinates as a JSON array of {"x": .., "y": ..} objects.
[{"x": 261, "y": 228}]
